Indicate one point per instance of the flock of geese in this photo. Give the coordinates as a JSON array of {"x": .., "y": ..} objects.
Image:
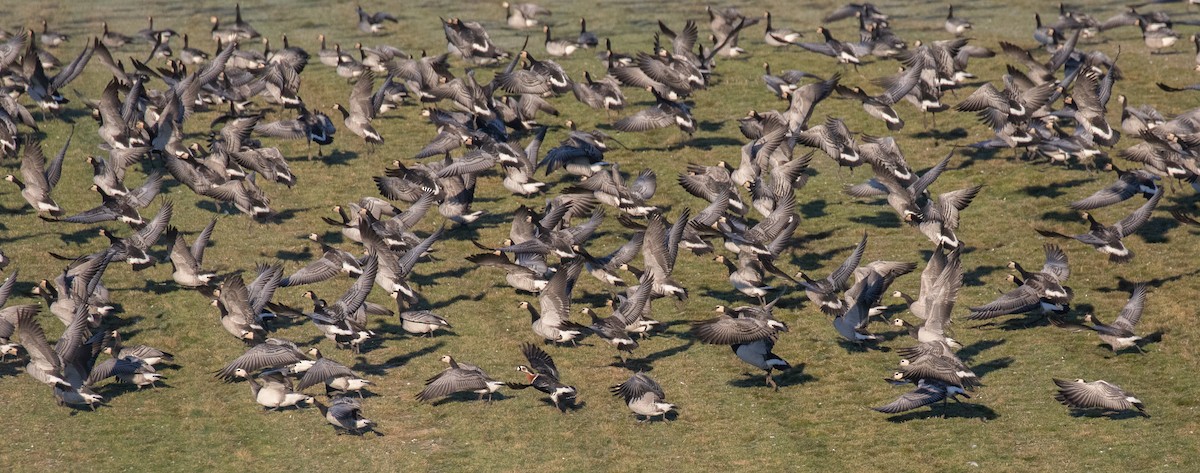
[{"x": 1053, "y": 108}]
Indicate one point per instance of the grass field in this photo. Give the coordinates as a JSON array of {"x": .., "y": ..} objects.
[{"x": 819, "y": 420}]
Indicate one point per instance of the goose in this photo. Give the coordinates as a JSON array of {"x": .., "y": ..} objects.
[
  {"x": 373, "y": 23},
  {"x": 543, "y": 375},
  {"x": 644, "y": 397},
  {"x": 331, "y": 57},
  {"x": 39, "y": 179},
  {"x": 516, "y": 275},
  {"x": 586, "y": 38},
  {"x": 239, "y": 308},
  {"x": 805, "y": 99},
  {"x": 955, "y": 25},
  {"x": 471, "y": 41},
  {"x": 552, "y": 323},
  {"x": 878, "y": 107},
  {"x": 664, "y": 113},
  {"x": 604, "y": 268},
  {"x": 523, "y": 15},
  {"x": 1129, "y": 183},
  {"x": 332, "y": 262},
  {"x": 459, "y": 378},
  {"x": 852, "y": 324},
  {"x": 660, "y": 248},
  {"x": 1098, "y": 394},
  {"x": 1107, "y": 238},
  {"x": 133, "y": 249},
  {"x": 747, "y": 275},
  {"x": 395, "y": 268},
  {"x": 127, "y": 369},
  {"x": 1134, "y": 120},
  {"x": 832, "y": 48},
  {"x": 113, "y": 39},
  {"x": 1043, "y": 290},
  {"x": 45, "y": 90},
  {"x": 826, "y": 293},
  {"x": 273, "y": 390},
  {"x": 558, "y": 47},
  {"x": 76, "y": 354},
  {"x": 335, "y": 376},
  {"x": 751, "y": 335},
  {"x": 363, "y": 107},
  {"x": 150, "y": 34},
  {"x": 935, "y": 362},
  {"x": 8, "y": 324},
  {"x": 50, "y": 38},
  {"x": 187, "y": 261},
  {"x": 940, "y": 283},
  {"x": 273, "y": 353},
  {"x": 420, "y": 322},
  {"x": 779, "y": 36},
  {"x": 613, "y": 328},
  {"x": 928, "y": 392},
  {"x": 1120, "y": 335},
  {"x": 339, "y": 322},
  {"x": 1156, "y": 39},
  {"x": 123, "y": 208},
  {"x": 237, "y": 31},
  {"x": 345, "y": 414},
  {"x": 78, "y": 285},
  {"x": 45, "y": 365},
  {"x": 599, "y": 94},
  {"x": 152, "y": 356},
  {"x": 866, "y": 11}
]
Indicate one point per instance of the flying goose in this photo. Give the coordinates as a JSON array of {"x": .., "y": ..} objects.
[
  {"x": 45, "y": 90},
  {"x": 613, "y": 328},
  {"x": 239, "y": 308},
  {"x": 459, "y": 377},
  {"x": 363, "y": 107},
  {"x": 935, "y": 361},
  {"x": 852, "y": 324},
  {"x": 152, "y": 356},
  {"x": 1129, "y": 183},
  {"x": 664, "y": 113},
  {"x": 123, "y": 208},
  {"x": 345, "y": 414},
  {"x": 604, "y": 268},
  {"x": 518, "y": 276},
  {"x": 128, "y": 369},
  {"x": 1099, "y": 394},
  {"x": 826, "y": 293},
  {"x": 39, "y": 180},
  {"x": 831, "y": 47},
  {"x": 373, "y": 23},
  {"x": 150, "y": 33},
  {"x": 940, "y": 282},
  {"x": 273, "y": 390},
  {"x": 1043, "y": 290},
  {"x": 338, "y": 321},
  {"x": 660, "y": 248},
  {"x": 332, "y": 262},
  {"x": 1107, "y": 238},
  {"x": 751, "y": 335},
  {"x": 553, "y": 323},
  {"x": 644, "y": 397},
  {"x": 335, "y": 376},
  {"x": 523, "y": 15},
  {"x": 927, "y": 392},
  {"x": 419, "y": 322},
  {"x": 187, "y": 261},
  {"x": 471, "y": 41},
  {"x": 542, "y": 375},
  {"x": 273, "y": 353},
  {"x": 1120, "y": 334}
]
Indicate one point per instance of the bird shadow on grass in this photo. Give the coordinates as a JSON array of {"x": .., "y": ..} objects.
[
  {"x": 1052, "y": 190},
  {"x": 975, "y": 276},
  {"x": 7, "y": 368},
  {"x": 881, "y": 219},
  {"x": 1125, "y": 285},
  {"x": 645, "y": 363},
  {"x": 277, "y": 218},
  {"x": 114, "y": 390},
  {"x": 814, "y": 208},
  {"x": 1064, "y": 216},
  {"x": 1098, "y": 413},
  {"x": 984, "y": 368},
  {"x": 338, "y": 157},
  {"x": 1155, "y": 230},
  {"x": 960, "y": 410},
  {"x": 361, "y": 364},
  {"x": 451, "y": 301},
  {"x": 566, "y": 407},
  {"x": 801, "y": 241},
  {"x": 303, "y": 255},
  {"x": 952, "y": 134},
  {"x": 431, "y": 278},
  {"x": 709, "y": 143},
  {"x": 79, "y": 237},
  {"x": 864, "y": 347},
  {"x": 472, "y": 397},
  {"x": 968, "y": 352},
  {"x": 792, "y": 377},
  {"x": 814, "y": 260}
]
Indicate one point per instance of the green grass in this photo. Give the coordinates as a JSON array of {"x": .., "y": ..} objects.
[{"x": 820, "y": 420}]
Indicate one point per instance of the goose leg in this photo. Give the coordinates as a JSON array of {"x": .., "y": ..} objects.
[
  {"x": 1139, "y": 348},
  {"x": 771, "y": 381}
]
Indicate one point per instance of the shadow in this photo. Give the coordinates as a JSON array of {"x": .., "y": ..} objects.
[
  {"x": 431, "y": 279},
  {"x": 1125, "y": 285},
  {"x": 712, "y": 142},
  {"x": 881, "y": 219},
  {"x": 712, "y": 126},
  {"x": 814, "y": 208},
  {"x": 983, "y": 369},
  {"x": 966, "y": 353},
  {"x": 815, "y": 260},
  {"x": 793, "y": 377},
  {"x": 863, "y": 347},
  {"x": 943, "y": 135},
  {"x": 361, "y": 364},
  {"x": 975, "y": 276},
  {"x": 1052, "y": 190},
  {"x": 568, "y": 405},
  {"x": 278, "y": 218},
  {"x": 81, "y": 236},
  {"x": 960, "y": 410},
  {"x": 116, "y": 389},
  {"x": 303, "y": 255},
  {"x": 645, "y": 363},
  {"x": 1155, "y": 230},
  {"x": 1097, "y": 413},
  {"x": 338, "y": 157},
  {"x": 1065, "y": 216},
  {"x": 469, "y": 396}
]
